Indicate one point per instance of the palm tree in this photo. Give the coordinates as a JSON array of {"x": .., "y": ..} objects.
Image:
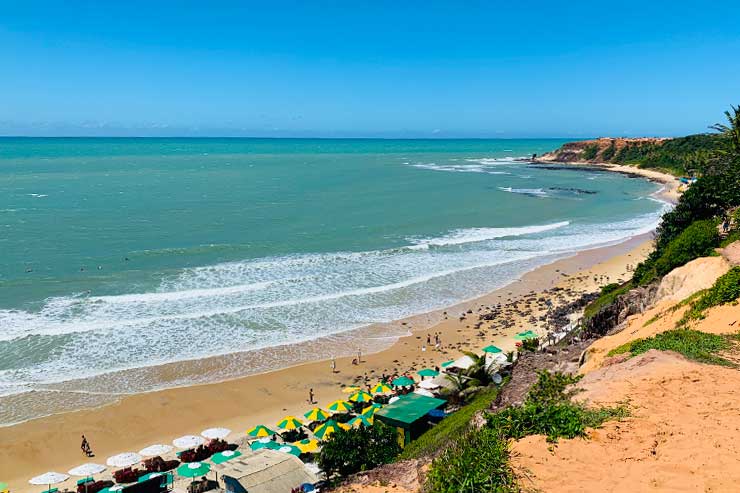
[{"x": 732, "y": 130}]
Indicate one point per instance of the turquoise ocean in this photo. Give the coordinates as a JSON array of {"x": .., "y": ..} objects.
[{"x": 125, "y": 254}]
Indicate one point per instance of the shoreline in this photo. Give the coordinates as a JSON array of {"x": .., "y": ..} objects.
[
  {"x": 134, "y": 421},
  {"x": 138, "y": 420}
]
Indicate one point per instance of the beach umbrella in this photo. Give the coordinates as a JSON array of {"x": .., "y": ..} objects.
[
  {"x": 361, "y": 420},
  {"x": 290, "y": 423},
  {"x": 215, "y": 433},
  {"x": 316, "y": 414},
  {"x": 381, "y": 388},
  {"x": 153, "y": 450},
  {"x": 151, "y": 475},
  {"x": 193, "y": 469},
  {"x": 428, "y": 372},
  {"x": 350, "y": 389},
  {"x": 188, "y": 441},
  {"x": 86, "y": 470},
  {"x": 447, "y": 363},
  {"x": 340, "y": 406},
  {"x": 260, "y": 431},
  {"x": 226, "y": 455},
  {"x": 307, "y": 445},
  {"x": 325, "y": 430},
  {"x": 361, "y": 396},
  {"x": 264, "y": 443},
  {"x": 423, "y": 392},
  {"x": 491, "y": 349},
  {"x": 48, "y": 479},
  {"x": 403, "y": 381},
  {"x": 125, "y": 459},
  {"x": 525, "y": 335},
  {"x": 370, "y": 410},
  {"x": 429, "y": 384},
  {"x": 3, "y": 487},
  {"x": 290, "y": 449}
]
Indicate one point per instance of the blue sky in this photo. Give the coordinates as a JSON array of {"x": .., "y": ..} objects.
[{"x": 375, "y": 68}]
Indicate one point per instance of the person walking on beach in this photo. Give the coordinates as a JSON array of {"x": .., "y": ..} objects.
[
  {"x": 359, "y": 356},
  {"x": 333, "y": 365},
  {"x": 310, "y": 396},
  {"x": 85, "y": 447}
]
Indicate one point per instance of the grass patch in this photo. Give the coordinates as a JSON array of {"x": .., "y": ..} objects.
[
  {"x": 652, "y": 320},
  {"x": 449, "y": 428},
  {"x": 693, "y": 344},
  {"x": 726, "y": 289},
  {"x": 548, "y": 410},
  {"x": 607, "y": 296},
  {"x": 478, "y": 460}
]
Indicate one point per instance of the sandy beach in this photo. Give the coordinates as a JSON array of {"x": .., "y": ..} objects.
[
  {"x": 52, "y": 443},
  {"x": 136, "y": 421}
]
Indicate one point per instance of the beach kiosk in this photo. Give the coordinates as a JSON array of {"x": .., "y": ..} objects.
[{"x": 408, "y": 415}]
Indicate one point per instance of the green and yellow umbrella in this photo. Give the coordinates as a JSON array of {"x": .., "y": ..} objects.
[
  {"x": 340, "y": 406},
  {"x": 307, "y": 445},
  {"x": 381, "y": 388},
  {"x": 361, "y": 396},
  {"x": 317, "y": 414},
  {"x": 260, "y": 431},
  {"x": 290, "y": 423},
  {"x": 370, "y": 410},
  {"x": 324, "y": 431},
  {"x": 361, "y": 421}
]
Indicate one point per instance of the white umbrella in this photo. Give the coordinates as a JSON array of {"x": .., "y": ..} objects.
[
  {"x": 216, "y": 433},
  {"x": 49, "y": 478},
  {"x": 423, "y": 392},
  {"x": 463, "y": 363},
  {"x": 428, "y": 384},
  {"x": 124, "y": 460},
  {"x": 393, "y": 399},
  {"x": 87, "y": 469},
  {"x": 157, "y": 449},
  {"x": 188, "y": 441}
]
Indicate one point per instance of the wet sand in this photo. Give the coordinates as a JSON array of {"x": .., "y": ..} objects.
[{"x": 135, "y": 421}]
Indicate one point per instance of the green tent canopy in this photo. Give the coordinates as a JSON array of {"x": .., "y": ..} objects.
[
  {"x": 491, "y": 349},
  {"x": 447, "y": 363},
  {"x": 428, "y": 372},
  {"x": 525, "y": 335},
  {"x": 226, "y": 455}
]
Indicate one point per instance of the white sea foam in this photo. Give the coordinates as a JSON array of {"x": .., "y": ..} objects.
[
  {"x": 459, "y": 168},
  {"x": 525, "y": 191},
  {"x": 473, "y": 235}
]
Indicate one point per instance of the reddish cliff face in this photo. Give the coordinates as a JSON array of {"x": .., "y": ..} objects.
[{"x": 600, "y": 150}]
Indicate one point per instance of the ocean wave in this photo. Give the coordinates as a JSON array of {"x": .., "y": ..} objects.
[
  {"x": 473, "y": 235},
  {"x": 459, "y": 168},
  {"x": 237, "y": 306}
]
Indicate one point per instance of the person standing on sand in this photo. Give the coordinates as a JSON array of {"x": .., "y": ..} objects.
[
  {"x": 85, "y": 447},
  {"x": 333, "y": 365},
  {"x": 359, "y": 356},
  {"x": 310, "y": 396}
]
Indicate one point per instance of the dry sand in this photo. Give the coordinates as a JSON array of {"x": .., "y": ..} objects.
[
  {"x": 684, "y": 430},
  {"x": 52, "y": 443}
]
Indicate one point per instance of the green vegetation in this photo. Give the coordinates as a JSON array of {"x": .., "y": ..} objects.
[
  {"x": 548, "y": 410},
  {"x": 449, "y": 428},
  {"x": 590, "y": 151},
  {"x": 693, "y": 344},
  {"x": 607, "y": 296},
  {"x": 680, "y": 156},
  {"x": 609, "y": 152},
  {"x": 476, "y": 461},
  {"x": 358, "y": 449},
  {"x": 698, "y": 240},
  {"x": 726, "y": 289}
]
